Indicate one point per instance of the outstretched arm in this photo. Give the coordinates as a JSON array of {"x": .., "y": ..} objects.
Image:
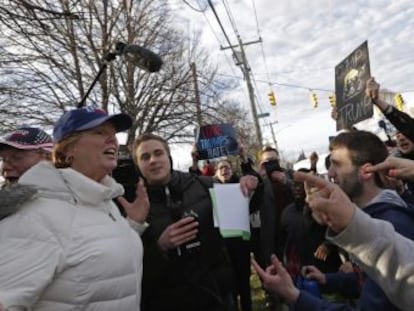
[
  {"x": 386, "y": 256},
  {"x": 395, "y": 167},
  {"x": 402, "y": 121}
]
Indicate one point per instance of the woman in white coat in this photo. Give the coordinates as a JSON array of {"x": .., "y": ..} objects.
[{"x": 67, "y": 247}]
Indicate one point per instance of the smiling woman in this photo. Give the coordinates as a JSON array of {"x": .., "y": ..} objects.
[
  {"x": 91, "y": 152},
  {"x": 57, "y": 246}
]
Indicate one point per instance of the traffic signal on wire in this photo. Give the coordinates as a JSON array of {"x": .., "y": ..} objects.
[
  {"x": 314, "y": 99},
  {"x": 399, "y": 101},
  {"x": 332, "y": 100},
  {"x": 272, "y": 98}
]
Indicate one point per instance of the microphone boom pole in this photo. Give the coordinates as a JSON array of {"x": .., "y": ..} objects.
[{"x": 108, "y": 58}]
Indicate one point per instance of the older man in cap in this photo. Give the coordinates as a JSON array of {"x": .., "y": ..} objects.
[{"x": 22, "y": 148}]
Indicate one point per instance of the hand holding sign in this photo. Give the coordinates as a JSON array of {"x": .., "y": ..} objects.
[{"x": 372, "y": 88}]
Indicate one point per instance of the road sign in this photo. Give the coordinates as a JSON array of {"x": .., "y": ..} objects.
[{"x": 263, "y": 115}]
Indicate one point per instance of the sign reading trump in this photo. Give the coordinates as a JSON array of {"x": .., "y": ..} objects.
[
  {"x": 350, "y": 79},
  {"x": 216, "y": 140}
]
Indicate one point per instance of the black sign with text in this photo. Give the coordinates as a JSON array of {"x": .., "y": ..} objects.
[{"x": 350, "y": 79}]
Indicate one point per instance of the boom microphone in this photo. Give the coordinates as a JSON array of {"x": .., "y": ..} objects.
[{"x": 140, "y": 57}]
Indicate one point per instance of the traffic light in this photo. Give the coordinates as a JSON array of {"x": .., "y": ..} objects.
[
  {"x": 332, "y": 100},
  {"x": 272, "y": 98},
  {"x": 399, "y": 101},
  {"x": 314, "y": 99}
]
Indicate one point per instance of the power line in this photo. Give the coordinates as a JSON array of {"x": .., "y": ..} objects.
[
  {"x": 263, "y": 55},
  {"x": 246, "y": 72},
  {"x": 218, "y": 40},
  {"x": 258, "y": 101},
  {"x": 195, "y": 9},
  {"x": 281, "y": 84},
  {"x": 230, "y": 16},
  {"x": 219, "y": 22},
  {"x": 261, "y": 42}
]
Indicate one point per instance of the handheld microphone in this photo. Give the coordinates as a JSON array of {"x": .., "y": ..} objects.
[{"x": 140, "y": 57}]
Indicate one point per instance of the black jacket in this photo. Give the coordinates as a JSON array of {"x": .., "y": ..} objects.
[
  {"x": 402, "y": 122},
  {"x": 197, "y": 281}
]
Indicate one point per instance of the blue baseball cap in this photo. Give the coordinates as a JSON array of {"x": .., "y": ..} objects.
[{"x": 86, "y": 118}]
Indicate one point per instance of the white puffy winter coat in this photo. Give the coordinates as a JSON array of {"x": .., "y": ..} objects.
[{"x": 69, "y": 248}]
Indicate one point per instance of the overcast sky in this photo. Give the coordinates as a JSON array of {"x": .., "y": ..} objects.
[{"x": 303, "y": 41}]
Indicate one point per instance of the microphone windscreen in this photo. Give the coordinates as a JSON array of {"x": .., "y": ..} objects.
[{"x": 143, "y": 58}]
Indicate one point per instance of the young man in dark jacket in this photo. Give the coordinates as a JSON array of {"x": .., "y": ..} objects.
[{"x": 186, "y": 266}]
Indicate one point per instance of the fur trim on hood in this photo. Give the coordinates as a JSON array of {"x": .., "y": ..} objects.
[{"x": 13, "y": 197}]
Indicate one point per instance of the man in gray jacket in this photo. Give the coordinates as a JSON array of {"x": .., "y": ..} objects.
[{"x": 380, "y": 250}]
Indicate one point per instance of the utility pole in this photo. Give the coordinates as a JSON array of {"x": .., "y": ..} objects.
[
  {"x": 246, "y": 73},
  {"x": 197, "y": 95},
  {"x": 266, "y": 115},
  {"x": 273, "y": 134}
]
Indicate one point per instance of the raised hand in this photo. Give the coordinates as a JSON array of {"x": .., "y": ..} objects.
[
  {"x": 279, "y": 177},
  {"x": 137, "y": 210},
  {"x": 314, "y": 160},
  {"x": 311, "y": 272},
  {"x": 372, "y": 88},
  {"x": 248, "y": 184},
  {"x": 277, "y": 280},
  {"x": 328, "y": 202}
]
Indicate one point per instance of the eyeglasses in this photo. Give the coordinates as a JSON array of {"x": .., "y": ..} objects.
[
  {"x": 13, "y": 158},
  {"x": 224, "y": 167},
  {"x": 19, "y": 156}
]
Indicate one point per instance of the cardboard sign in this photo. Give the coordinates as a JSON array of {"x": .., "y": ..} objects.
[
  {"x": 216, "y": 140},
  {"x": 350, "y": 79}
]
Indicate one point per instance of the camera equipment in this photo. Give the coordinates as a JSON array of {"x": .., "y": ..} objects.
[
  {"x": 179, "y": 212},
  {"x": 126, "y": 174},
  {"x": 193, "y": 246},
  {"x": 272, "y": 166}
]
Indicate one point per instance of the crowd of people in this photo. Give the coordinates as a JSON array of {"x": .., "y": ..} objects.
[{"x": 71, "y": 240}]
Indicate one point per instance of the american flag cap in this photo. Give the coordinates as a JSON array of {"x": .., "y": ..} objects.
[{"x": 27, "y": 138}]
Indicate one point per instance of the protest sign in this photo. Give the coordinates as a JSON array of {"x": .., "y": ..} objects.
[
  {"x": 216, "y": 140},
  {"x": 350, "y": 79}
]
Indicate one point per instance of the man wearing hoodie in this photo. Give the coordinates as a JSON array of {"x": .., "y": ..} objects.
[{"x": 352, "y": 153}]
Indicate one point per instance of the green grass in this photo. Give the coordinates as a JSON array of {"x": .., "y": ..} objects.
[{"x": 258, "y": 296}]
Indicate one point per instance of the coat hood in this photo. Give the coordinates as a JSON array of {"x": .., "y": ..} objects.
[
  {"x": 386, "y": 199},
  {"x": 12, "y": 197},
  {"x": 178, "y": 183}
]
